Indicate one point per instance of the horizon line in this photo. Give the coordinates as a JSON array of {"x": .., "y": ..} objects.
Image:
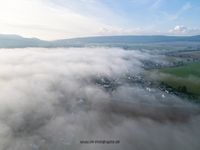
[{"x": 96, "y": 36}]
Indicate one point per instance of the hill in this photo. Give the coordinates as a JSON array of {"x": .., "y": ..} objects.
[{"x": 16, "y": 41}]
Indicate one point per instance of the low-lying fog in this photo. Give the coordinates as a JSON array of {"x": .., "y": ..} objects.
[{"x": 51, "y": 99}]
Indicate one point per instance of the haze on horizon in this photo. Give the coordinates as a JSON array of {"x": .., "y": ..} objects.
[{"x": 57, "y": 19}]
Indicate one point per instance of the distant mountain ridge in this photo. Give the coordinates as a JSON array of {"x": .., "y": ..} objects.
[{"x": 16, "y": 41}]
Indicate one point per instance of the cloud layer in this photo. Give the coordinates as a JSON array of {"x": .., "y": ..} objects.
[{"x": 54, "y": 98}]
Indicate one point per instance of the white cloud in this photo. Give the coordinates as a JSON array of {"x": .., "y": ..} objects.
[
  {"x": 179, "y": 29},
  {"x": 183, "y": 30}
]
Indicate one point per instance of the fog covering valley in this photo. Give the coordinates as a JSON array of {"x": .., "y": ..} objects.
[{"x": 51, "y": 99}]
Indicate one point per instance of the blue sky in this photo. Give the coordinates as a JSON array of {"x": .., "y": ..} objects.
[{"x": 54, "y": 19}]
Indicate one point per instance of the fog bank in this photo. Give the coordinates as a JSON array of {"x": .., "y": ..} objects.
[{"x": 51, "y": 99}]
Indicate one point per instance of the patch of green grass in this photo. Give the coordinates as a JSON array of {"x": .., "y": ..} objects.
[
  {"x": 184, "y": 79},
  {"x": 192, "y": 69},
  {"x": 192, "y": 86}
]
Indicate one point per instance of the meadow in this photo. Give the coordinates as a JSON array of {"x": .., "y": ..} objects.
[{"x": 184, "y": 78}]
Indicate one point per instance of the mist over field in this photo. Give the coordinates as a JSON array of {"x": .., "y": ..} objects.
[{"x": 51, "y": 99}]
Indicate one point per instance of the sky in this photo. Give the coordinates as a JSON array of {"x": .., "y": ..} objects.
[{"x": 58, "y": 19}]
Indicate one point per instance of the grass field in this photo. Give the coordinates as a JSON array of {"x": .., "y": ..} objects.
[
  {"x": 192, "y": 69},
  {"x": 184, "y": 78}
]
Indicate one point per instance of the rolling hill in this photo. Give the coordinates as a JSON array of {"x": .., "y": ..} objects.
[{"x": 16, "y": 41}]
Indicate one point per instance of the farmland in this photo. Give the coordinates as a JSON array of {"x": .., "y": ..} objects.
[{"x": 184, "y": 78}]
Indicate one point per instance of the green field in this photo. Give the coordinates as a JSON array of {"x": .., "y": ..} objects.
[
  {"x": 184, "y": 78},
  {"x": 192, "y": 69}
]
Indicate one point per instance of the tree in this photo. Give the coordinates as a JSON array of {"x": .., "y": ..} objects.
[{"x": 184, "y": 89}]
